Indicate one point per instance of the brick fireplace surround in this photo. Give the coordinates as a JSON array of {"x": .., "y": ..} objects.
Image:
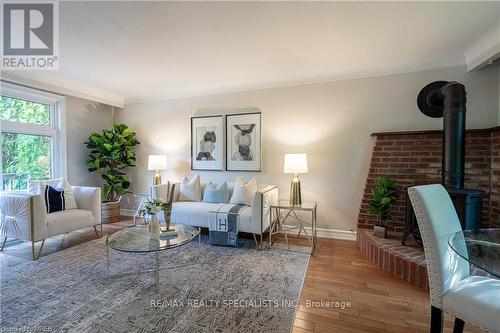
[{"x": 414, "y": 158}]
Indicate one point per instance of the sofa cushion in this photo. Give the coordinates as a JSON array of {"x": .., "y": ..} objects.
[
  {"x": 68, "y": 220},
  {"x": 243, "y": 193},
  {"x": 196, "y": 214},
  {"x": 190, "y": 189},
  {"x": 216, "y": 194}
]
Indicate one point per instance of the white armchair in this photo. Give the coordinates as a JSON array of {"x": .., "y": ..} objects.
[
  {"x": 475, "y": 299},
  {"x": 24, "y": 216}
]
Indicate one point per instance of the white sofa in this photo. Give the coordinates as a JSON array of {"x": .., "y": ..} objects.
[
  {"x": 24, "y": 216},
  {"x": 253, "y": 219}
]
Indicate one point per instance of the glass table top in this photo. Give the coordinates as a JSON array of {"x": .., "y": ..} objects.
[
  {"x": 136, "y": 239},
  {"x": 305, "y": 206},
  {"x": 481, "y": 248}
]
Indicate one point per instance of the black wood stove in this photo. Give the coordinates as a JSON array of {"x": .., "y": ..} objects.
[{"x": 447, "y": 99}]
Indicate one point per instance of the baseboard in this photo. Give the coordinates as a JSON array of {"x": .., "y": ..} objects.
[
  {"x": 126, "y": 212},
  {"x": 320, "y": 232},
  {"x": 330, "y": 233}
]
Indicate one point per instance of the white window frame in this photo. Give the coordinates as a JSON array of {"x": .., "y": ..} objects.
[{"x": 56, "y": 130}]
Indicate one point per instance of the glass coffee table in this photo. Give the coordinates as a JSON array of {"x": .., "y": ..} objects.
[{"x": 135, "y": 239}]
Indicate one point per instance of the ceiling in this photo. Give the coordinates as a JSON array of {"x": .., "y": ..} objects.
[{"x": 137, "y": 51}]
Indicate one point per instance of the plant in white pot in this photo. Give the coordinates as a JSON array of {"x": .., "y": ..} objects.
[
  {"x": 110, "y": 154},
  {"x": 384, "y": 195}
]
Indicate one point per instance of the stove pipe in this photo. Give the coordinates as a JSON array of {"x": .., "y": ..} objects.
[{"x": 447, "y": 100}]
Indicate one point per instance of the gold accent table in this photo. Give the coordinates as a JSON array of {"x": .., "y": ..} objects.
[{"x": 284, "y": 212}]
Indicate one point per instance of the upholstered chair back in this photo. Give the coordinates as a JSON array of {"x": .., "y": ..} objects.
[
  {"x": 437, "y": 220},
  {"x": 160, "y": 192}
]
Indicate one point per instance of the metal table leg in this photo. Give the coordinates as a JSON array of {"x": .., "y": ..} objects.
[
  {"x": 157, "y": 269},
  {"x": 107, "y": 255},
  {"x": 315, "y": 229}
]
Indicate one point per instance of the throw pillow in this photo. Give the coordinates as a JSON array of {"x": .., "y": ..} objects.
[
  {"x": 69, "y": 197},
  {"x": 38, "y": 187},
  {"x": 243, "y": 193},
  {"x": 190, "y": 190},
  {"x": 216, "y": 194},
  {"x": 54, "y": 199}
]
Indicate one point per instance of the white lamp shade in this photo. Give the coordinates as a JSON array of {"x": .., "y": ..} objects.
[
  {"x": 157, "y": 162},
  {"x": 295, "y": 163}
]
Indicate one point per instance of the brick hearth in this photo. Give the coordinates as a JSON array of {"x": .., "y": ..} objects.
[
  {"x": 414, "y": 158},
  {"x": 405, "y": 262}
]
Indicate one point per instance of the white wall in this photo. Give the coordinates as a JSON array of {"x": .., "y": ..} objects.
[
  {"x": 331, "y": 122},
  {"x": 83, "y": 117},
  {"x": 498, "y": 69}
]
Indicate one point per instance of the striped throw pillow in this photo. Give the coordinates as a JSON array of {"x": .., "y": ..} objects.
[{"x": 54, "y": 199}]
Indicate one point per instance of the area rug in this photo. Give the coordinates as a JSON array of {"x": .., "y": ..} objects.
[{"x": 203, "y": 288}]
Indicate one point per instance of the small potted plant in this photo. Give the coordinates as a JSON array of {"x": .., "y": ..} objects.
[
  {"x": 110, "y": 154},
  {"x": 384, "y": 194}
]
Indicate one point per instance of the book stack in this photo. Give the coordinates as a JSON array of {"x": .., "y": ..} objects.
[{"x": 167, "y": 233}]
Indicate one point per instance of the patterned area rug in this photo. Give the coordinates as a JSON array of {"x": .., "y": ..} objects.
[{"x": 203, "y": 288}]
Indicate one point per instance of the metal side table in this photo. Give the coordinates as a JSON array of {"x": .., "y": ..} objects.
[
  {"x": 139, "y": 200},
  {"x": 286, "y": 212}
]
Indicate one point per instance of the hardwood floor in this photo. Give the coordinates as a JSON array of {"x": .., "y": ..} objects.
[
  {"x": 379, "y": 301},
  {"x": 337, "y": 272}
]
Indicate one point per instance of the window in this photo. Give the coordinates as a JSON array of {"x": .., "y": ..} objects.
[{"x": 31, "y": 136}]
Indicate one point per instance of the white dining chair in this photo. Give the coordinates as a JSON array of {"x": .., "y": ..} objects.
[{"x": 473, "y": 299}]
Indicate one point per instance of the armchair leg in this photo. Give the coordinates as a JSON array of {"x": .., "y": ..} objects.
[
  {"x": 255, "y": 240},
  {"x": 436, "y": 320},
  {"x": 97, "y": 233},
  {"x": 3, "y": 244},
  {"x": 39, "y": 251},
  {"x": 459, "y": 326}
]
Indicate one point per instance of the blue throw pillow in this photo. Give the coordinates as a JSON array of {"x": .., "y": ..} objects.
[
  {"x": 216, "y": 194},
  {"x": 54, "y": 199}
]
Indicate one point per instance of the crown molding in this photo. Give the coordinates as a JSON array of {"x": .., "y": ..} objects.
[
  {"x": 66, "y": 88},
  {"x": 249, "y": 88},
  {"x": 485, "y": 50}
]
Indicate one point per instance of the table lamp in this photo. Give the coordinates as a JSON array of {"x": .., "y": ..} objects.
[
  {"x": 295, "y": 163},
  {"x": 157, "y": 163}
]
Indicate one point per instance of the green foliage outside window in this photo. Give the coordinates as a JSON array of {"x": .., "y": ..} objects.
[
  {"x": 24, "y": 156},
  {"x": 22, "y": 111}
]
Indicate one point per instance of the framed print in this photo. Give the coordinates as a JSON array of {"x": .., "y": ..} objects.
[
  {"x": 207, "y": 143},
  {"x": 243, "y": 149}
]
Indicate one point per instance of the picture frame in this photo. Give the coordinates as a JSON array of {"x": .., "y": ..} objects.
[
  {"x": 243, "y": 142},
  {"x": 207, "y": 143}
]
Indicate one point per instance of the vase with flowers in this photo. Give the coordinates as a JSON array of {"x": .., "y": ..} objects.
[{"x": 150, "y": 212}]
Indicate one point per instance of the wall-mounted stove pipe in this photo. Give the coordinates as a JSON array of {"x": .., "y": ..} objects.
[{"x": 448, "y": 100}]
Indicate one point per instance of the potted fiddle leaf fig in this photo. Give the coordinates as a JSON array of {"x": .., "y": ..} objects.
[
  {"x": 384, "y": 195},
  {"x": 111, "y": 153}
]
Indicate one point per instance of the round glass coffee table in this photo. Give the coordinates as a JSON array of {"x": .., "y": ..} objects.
[
  {"x": 135, "y": 239},
  {"x": 481, "y": 248}
]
